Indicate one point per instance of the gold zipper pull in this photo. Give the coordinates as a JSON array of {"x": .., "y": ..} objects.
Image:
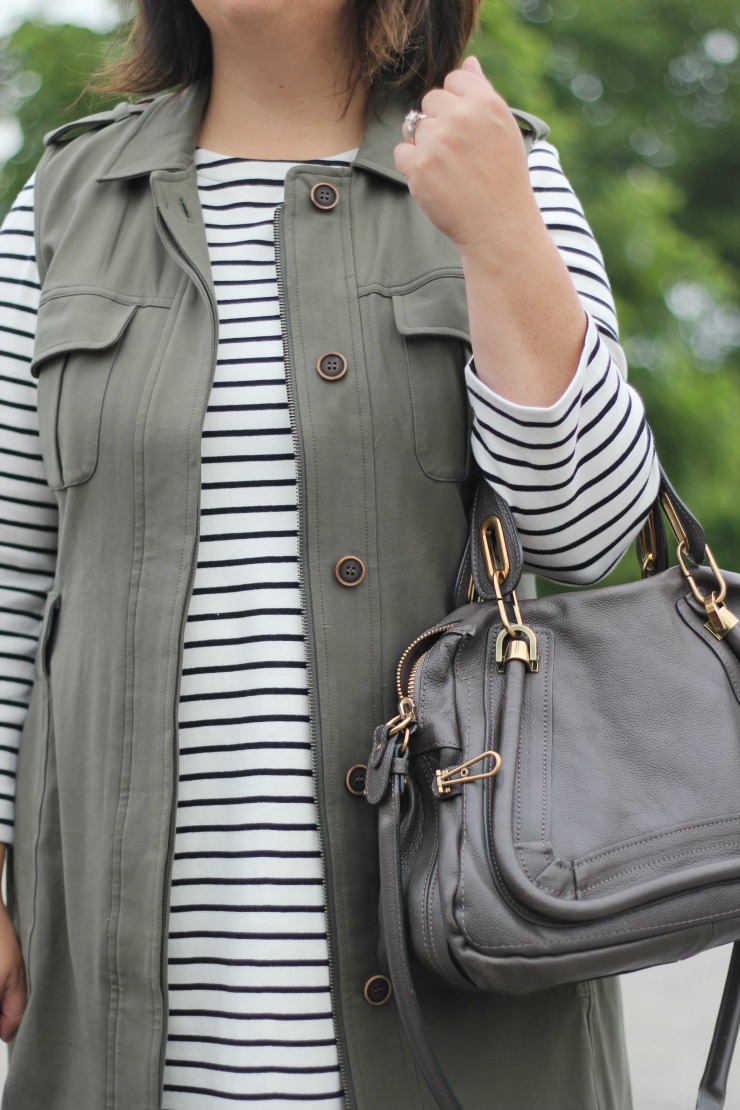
[
  {"x": 405, "y": 719},
  {"x": 446, "y": 779}
]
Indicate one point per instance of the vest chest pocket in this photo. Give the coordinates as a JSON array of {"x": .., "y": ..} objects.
[
  {"x": 433, "y": 320},
  {"x": 77, "y": 341}
]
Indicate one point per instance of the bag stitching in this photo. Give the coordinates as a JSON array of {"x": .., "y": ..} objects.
[
  {"x": 654, "y": 837},
  {"x": 605, "y": 936},
  {"x": 660, "y": 859}
]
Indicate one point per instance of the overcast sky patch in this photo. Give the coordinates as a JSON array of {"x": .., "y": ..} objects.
[{"x": 102, "y": 15}]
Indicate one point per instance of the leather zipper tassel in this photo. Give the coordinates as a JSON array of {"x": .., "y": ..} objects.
[{"x": 339, "y": 1034}]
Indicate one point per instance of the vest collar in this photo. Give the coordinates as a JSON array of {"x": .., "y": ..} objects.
[{"x": 164, "y": 135}]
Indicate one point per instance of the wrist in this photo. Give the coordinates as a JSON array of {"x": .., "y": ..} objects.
[{"x": 508, "y": 242}]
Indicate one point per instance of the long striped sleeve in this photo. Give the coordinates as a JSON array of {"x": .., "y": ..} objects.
[
  {"x": 580, "y": 475},
  {"x": 28, "y": 512}
]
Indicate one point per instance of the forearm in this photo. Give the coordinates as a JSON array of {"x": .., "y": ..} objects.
[
  {"x": 28, "y": 511},
  {"x": 527, "y": 324}
]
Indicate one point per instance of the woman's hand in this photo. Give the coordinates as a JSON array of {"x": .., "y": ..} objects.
[
  {"x": 468, "y": 171},
  {"x": 13, "y": 993},
  {"x": 467, "y": 167}
]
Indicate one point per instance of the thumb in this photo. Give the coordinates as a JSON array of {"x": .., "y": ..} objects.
[{"x": 472, "y": 65}]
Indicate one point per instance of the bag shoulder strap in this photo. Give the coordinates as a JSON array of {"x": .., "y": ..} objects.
[
  {"x": 714, "y": 1081},
  {"x": 394, "y": 928}
]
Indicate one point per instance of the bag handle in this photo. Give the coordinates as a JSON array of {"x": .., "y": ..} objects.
[
  {"x": 475, "y": 577},
  {"x": 493, "y": 565},
  {"x": 389, "y": 795}
]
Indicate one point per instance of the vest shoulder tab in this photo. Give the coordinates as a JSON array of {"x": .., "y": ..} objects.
[
  {"x": 532, "y": 127},
  {"x": 72, "y": 130}
]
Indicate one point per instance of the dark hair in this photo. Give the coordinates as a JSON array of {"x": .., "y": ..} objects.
[{"x": 407, "y": 45}]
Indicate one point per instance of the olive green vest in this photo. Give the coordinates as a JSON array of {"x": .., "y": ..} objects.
[{"x": 124, "y": 355}]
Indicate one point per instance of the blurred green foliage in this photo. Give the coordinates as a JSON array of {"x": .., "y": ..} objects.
[
  {"x": 44, "y": 71},
  {"x": 643, "y": 99}
]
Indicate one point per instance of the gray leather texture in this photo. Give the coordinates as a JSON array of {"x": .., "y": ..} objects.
[
  {"x": 609, "y": 840},
  {"x": 619, "y": 787}
]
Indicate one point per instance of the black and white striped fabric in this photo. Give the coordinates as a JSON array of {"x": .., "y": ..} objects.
[{"x": 250, "y": 1012}]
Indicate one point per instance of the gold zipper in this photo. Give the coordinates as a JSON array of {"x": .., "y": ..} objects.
[
  {"x": 406, "y": 707},
  {"x": 449, "y": 777},
  {"x": 419, "y": 639}
]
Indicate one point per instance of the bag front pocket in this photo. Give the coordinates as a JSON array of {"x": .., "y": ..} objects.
[
  {"x": 77, "y": 340},
  {"x": 433, "y": 320}
]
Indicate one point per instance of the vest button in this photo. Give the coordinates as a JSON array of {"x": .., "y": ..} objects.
[
  {"x": 332, "y": 366},
  {"x": 324, "y": 196},
  {"x": 355, "y": 779},
  {"x": 350, "y": 571},
  {"x": 377, "y": 990}
]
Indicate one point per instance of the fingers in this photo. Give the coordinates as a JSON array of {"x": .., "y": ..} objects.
[
  {"x": 463, "y": 82},
  {"x": 472, "y": 65},
  {"x": 13, "y": 994},
  {"x": 405, "y": 158},
  {"x": 13, "y": 1006},
  {"x": 466, "y": 166},
  {"x": 411, "y": 130},
  {"x": 435, "y": 102},
  {"x": 468, "y": 83}
]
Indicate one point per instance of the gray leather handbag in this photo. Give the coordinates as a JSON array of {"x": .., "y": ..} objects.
[{"x": 559, "y": 795}]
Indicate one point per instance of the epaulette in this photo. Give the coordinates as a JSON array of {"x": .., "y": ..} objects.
[
  {"x": 532, "y": 127},
  {"x": 69, "y": 131}
]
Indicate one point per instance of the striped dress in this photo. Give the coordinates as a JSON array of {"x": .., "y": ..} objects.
[{"x": 250, "y": 1019}]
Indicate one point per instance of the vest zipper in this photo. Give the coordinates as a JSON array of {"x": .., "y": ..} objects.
[
  {"x": 184, "y": 262},
  {"x": 302, "y": 560}
]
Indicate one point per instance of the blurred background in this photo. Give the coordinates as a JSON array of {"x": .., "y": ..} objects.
[{"x": 643, "y": 99}]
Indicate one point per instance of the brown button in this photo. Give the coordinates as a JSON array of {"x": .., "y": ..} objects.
[
  {"x": 332, "y": 366},
  {"x": 355, "y": 779},
  {"x": 377, "y": 990},
  {"x": 324, "y": 196},
  {"x": 350, "y": 571}
]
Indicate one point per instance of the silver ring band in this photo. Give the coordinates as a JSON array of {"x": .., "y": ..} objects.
[{"x": 413, "y": 119}]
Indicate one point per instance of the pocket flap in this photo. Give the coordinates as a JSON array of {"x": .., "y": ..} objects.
[
  {"x": 79, "y": 321},
  {"x": 438, "y": 307}
]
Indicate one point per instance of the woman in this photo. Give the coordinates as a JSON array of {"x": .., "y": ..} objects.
[{"x": 249, "y": 307}]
